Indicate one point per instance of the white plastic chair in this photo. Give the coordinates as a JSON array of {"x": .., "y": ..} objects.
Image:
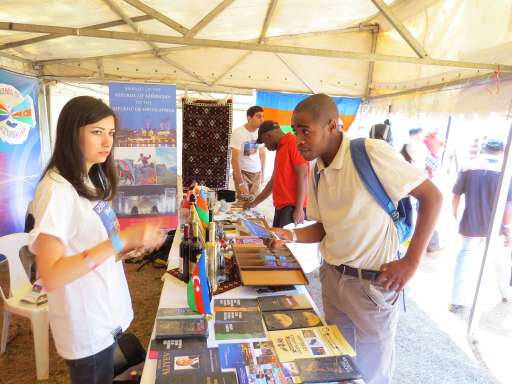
[{"x": 20, "y": 286}]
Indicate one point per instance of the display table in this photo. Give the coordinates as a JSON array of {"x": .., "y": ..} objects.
[{"x": 174, "y": 295}]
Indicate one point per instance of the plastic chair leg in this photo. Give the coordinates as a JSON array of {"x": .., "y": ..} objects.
[
  {"x": 5, "y": 331},
  {"x": 41, "y": 344}
]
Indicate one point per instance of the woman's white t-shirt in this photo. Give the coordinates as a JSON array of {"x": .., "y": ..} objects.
[{"x": 83, "y": 314}]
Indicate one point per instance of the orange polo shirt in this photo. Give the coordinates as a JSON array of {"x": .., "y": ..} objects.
[{"x": 284, "y": 182}]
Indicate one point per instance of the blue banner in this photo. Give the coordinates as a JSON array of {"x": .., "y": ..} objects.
[
  {"x": 145, "y": 153},
  {"x": 20, "y": 148}
]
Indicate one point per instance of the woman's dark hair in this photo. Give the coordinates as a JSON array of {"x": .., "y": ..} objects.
[{"x": 67, "y": 156}]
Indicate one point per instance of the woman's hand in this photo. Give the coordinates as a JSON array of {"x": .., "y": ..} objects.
[{"x": 144, "y": 235}]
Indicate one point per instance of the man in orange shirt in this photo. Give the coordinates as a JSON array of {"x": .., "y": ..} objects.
[{"x": 288, "y": 183}]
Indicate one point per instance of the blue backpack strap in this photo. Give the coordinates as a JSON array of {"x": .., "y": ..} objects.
[{"x": 370, "y": 180}]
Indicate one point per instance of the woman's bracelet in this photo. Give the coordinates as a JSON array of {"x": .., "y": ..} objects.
[{"x": 117, "y": 243}]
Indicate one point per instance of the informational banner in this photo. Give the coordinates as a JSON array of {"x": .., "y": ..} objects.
[
  {"x": 20, "y": 148},
  {"x": 145, "y": 153},
  {"x": 279, "y": 106}
]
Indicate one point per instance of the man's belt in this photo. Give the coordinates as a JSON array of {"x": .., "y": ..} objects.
[{"x": 365, "y": 274}]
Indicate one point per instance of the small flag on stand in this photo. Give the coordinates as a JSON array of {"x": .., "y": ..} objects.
[
  {"x": 202, "y": 208},
  {"x": 199, "y": 293}
]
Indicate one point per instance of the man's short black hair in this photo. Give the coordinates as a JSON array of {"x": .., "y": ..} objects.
[
  {"x": 321, "y": 107},
  {"x": 254, "y": 110}
]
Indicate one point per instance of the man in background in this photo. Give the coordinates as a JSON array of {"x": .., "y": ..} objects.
[
  {"x": 289, "y": 180},
  {"x": 479, "y": 184},
  {"x": 248, "y": 157}
]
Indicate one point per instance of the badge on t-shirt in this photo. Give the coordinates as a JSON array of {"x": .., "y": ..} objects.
[
  {"x": 250, "y": 148},
  {"x": 108, "y": 217}
]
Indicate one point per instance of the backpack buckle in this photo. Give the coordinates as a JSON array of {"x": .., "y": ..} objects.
[{"x": 395, "y": 215}]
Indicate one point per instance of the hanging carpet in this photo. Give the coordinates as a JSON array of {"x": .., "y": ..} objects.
[{"x": 206, "y": 132}]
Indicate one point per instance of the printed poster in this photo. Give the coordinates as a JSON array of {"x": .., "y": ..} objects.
[
  {"x": 20, "y": 148},
  {"x": 145, "y": 152}
]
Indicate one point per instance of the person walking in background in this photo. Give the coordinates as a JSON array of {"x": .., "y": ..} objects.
[
  {"x": 381, "y": 132},
  {"x": 434, "y": 145},
  {"x": 417, "y": 153},
  {"x": 76, "y": 238},
  {"x": 248, "y": 157},
  {"x": 479, "y": 184},
  {"x": 289, "y": 181}
]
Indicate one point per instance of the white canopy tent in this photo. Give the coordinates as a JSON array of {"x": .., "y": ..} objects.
[
  {"x": 350, "y": 48},
  {"x": 417, "y": 57}
]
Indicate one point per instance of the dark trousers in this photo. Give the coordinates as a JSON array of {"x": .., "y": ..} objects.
[
  {"x": 284, "y": 216},
  {"x": 95, "y": 369}
]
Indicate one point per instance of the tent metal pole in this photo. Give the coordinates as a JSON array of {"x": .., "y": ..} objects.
[
  {"x": 400, "y": 28},
  {"x": 294, "y": 50},
  {"x": 208, "y": 18}
]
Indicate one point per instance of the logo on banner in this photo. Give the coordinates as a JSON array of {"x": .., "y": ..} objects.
[{"x": 17, "y": 115}]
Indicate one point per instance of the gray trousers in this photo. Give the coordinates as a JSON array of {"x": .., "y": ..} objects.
[{"x": 367, "y": 315}]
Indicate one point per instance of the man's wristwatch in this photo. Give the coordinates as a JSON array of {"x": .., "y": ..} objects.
[{"x": 294, "y": 235}]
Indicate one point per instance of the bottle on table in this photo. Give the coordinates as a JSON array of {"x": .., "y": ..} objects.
[
  {"x": 185, "y": 248},
  {"x": 196, "y": 246},
  {"x": 211, "y": 252},
  {"x": 184, "y": 213}
]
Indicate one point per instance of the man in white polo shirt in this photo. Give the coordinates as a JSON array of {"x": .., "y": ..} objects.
[{"x": 361, "y": 278}]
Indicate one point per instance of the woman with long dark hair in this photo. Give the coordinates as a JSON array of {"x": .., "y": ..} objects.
[{"x": 76, "y": 238}]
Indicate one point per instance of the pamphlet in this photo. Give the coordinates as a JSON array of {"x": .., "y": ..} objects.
[{"x": 309, "y": 342}]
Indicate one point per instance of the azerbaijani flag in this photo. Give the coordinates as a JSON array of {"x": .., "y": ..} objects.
[
  {"x": 199, "y": 293},
  {"x": 202, "y": 208},
  {"x": 279, "y": 107}
]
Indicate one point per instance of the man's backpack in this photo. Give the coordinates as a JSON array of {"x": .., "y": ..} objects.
[{"x": 401, "y": 215}]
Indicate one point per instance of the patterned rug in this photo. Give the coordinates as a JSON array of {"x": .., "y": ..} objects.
[{"x": 206, "y": 132}]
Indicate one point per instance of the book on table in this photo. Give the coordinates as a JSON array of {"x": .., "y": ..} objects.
[
  {"x": 283, "y": 302},
  {"x": 181, "y": 328},
  {"x": 291, "y": 319},
  {"x": 254, "y": 362},
  {"x": 177, "y": 313},
  {"x": 163, "y": 345},
  {"x": 327, "y": 369},
  {"x": 237, "y": 319},
  {"x": 186, "y": 363}
]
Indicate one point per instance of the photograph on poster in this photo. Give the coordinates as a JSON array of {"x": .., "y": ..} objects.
[
  {"x": 166, "y": 168},
  {"x": 136, "y": 165},
  {"x": 145, "y": 200}
]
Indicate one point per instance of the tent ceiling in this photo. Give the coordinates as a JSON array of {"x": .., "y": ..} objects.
[{"x": 291, "y": 45}]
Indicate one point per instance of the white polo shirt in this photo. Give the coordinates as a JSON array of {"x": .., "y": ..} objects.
[
  {"x": 84, "y": 312},
  {"x": 358, "y": 232}
]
